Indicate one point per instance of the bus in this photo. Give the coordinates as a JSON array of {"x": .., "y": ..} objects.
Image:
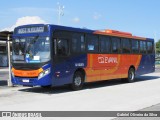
[{"x": 51, "y": 55}]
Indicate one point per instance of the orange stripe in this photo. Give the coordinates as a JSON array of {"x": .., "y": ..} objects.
[
  {"x": 96, "y": 71},
  {"x": 27, "y": 73},
  {"x": 107, "y": 77},
  {"x": 138, "y": 61},
  {"x": 118, "y": 35},
  {"x": 91, "y": 60}
]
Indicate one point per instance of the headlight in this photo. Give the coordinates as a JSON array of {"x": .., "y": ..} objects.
[{"x": 44, "y": 73}]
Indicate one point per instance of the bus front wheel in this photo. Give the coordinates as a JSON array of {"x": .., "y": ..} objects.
[
  {"x": 46, "y": 87},
  {"x": 78, "y": 81}
]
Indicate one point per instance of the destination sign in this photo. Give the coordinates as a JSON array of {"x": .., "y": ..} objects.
[{"x": 30, "y": 30}]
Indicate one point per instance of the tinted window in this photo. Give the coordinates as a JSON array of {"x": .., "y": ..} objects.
[
  {"x": 3, "y": 49},
  {"x": 61, "y": 39},
  {"x": 62, "y": 47},
  {"x": 115, "y": 45},
  {"x": 63, "y": 35},
  {"x": 135, "y": 46},
  {"x": 149, "y": 47},
  {"x": 143, "y": 47},
  {"x": 126, "y": 46},
  {"x": 78, "y": 43},
  {"x": 92, "y": 43},
  {"x": 105, "y": 44}
]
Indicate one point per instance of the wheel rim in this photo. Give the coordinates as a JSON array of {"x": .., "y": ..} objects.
[
  {"x": 77, "y": 81},
  {"x": 131, "y": 75}
]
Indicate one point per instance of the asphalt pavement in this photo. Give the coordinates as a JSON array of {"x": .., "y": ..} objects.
[{"x": 142, "y": 95}]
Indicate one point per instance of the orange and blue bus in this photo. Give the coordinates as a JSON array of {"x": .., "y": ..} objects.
[{"x": 52, "y": 55}]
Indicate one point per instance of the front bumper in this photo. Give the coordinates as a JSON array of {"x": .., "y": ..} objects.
[{"x": 32, "y": 81}]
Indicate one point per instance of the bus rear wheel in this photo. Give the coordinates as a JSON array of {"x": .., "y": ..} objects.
[
  {"x": 78, "y": 81},
  {"x": 131, "y": 75}
]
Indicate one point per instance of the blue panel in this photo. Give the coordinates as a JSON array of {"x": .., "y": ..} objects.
[
  {"x": 67, "y": 68},
  {"x": 32, "y": 81},
  {"x": 57, "y": 27},
  {"x": 147, "y": 65}
]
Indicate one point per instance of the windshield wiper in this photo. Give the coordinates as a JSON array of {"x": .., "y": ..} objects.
[{"x": 35, "y": 39}]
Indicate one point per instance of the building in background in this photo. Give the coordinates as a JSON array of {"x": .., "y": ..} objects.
[{"x": 4, "y": 37}]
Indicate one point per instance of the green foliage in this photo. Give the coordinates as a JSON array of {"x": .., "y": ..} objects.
[{"x": 158, "y": 47}]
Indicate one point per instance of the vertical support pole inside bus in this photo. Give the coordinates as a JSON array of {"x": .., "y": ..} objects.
[{"x": 9, "y": 61}]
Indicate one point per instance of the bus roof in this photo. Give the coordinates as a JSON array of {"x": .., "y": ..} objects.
[
  {"x": 102, "y": 32},
  {"x": 85, "y": 30},
  {"x": 118, "y": 34}
]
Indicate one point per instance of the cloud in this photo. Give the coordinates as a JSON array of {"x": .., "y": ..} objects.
[
  {"x": 26, "y": 20},
  {"x": 76, "y": 20},
  {"x": 97, "y": 16},
  {"x": 29, "y": 10}
]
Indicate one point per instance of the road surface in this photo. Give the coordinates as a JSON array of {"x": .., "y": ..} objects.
[{"x": 102, "y": 96}]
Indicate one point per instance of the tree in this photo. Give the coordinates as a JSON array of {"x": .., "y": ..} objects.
[{"x": 158, "y": 48}]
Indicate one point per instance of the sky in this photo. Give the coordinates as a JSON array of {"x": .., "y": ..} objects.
[{"x": 139, "y": 17}]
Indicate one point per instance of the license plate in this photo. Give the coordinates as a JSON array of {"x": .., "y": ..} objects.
[{"x": 25, "y": 80}]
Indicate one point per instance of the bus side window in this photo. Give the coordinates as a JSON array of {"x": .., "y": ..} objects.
[
  {"x": 149, "y": 47},
  {"x": 62, "y": 47},
  {"x": 116, "y": 45},
  {"x": 78, "y": 43},
  {"x": 143, "y": 47},
  {"x": 105, "y": 44},
  {"x": 135, "y": 46},
  {"x": 126, "y": 46},
  {"x": 92, "y": 43}
]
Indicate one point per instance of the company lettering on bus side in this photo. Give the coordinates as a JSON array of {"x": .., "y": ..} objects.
[{"x": 103, "y": 60}]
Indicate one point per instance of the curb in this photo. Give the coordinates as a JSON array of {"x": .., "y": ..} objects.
[{"x": 4, "y": 69}]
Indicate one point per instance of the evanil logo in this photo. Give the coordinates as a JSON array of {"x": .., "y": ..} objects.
[{"x": 103, "y": 60}]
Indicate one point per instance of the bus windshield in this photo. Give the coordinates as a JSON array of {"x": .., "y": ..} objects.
[{"x": 31, "y": 49}]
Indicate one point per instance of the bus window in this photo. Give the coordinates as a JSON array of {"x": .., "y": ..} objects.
[
  {"x": 135, "y": 46},
  {"x": 105, "y": 44},
  {"x": 149, "y": 47},
  {"x": 126, "y": 46},
  {"x": 92, "y": 43},
  {"x": 115, "y": 45},
  {"x": 62, "y": 47},
  {"x": 143, "y": 47},
  {"x": 78, "y": 43}
]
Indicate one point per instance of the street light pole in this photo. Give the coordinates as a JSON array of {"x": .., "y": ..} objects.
[
  {"x": 9, "y": 61},
  {"x": 60, "y": 12}
]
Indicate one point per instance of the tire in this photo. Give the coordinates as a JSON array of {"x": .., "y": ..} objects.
[
  {"x": 46, "y": 87},
  {"x": 78, "y": 81},
  {"x": 131, "y": 75}
]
